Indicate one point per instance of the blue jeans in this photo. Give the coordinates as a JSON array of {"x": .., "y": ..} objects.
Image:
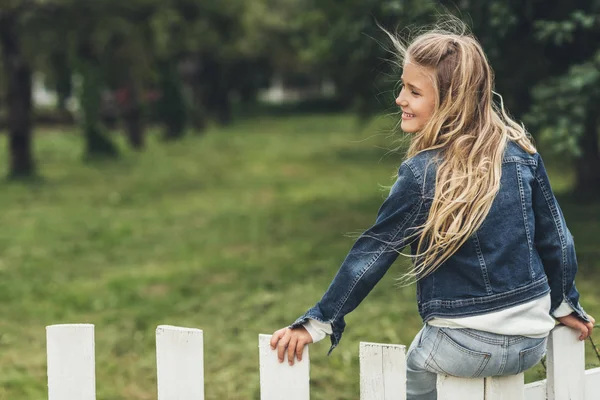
[{"x": 466, "y": 353}]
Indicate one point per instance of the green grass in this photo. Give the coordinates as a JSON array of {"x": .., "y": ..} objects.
[{"x": 236, "y": 232}]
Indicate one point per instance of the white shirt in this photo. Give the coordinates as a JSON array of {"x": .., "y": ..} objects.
[{"x": 531, "y": 319}]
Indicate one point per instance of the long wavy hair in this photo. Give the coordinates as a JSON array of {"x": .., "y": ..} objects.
[{"x": 471, "y": 133}]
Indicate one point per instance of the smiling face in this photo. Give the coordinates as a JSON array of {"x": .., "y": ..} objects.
[{"x": 417, "y": 97}]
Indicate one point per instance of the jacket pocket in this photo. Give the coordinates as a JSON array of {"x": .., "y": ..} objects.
[{"x": 451, "y": 358}]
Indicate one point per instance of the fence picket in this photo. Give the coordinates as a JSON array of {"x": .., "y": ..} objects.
[
  {"x": 280, "y": 381},
  {"x": 71, "y": 362},
  {"x": 592, "y": 383},
  {"x": 505, "y": 387},
  {"x": 453, "y": 388},
  {"x": 566, "y": 365},
  {"x": 536, "y": 390},
  {"x": 382, "y": 371},
  {"x": 180, "y": 370},
  {"x": 179, "y": 363}
]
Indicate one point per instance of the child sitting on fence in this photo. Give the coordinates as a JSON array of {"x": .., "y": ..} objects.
[{"x": 493, "y": 260}]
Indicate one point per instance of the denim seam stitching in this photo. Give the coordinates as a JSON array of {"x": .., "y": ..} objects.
[
  {"x": 525, "y": 222},
  {"x": 524, "y": 352},
  {"x": 417, "y": 177},
  {"x": 436, "y": 344},
  {"x": 481, "y": 338},
  {"x": 451, "y": 312},
  {"x": 482, "y": 264},
  {"x": 487, "y": 299},
  {"x": 504, "y": 355},
  {"x": 482, "y": 365},
  {"x": 557, "y": 225},
  {"x": 519, "y": 160},
  {"x": 412, "y": 169}
]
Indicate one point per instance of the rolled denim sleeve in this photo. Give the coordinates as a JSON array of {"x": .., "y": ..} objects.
[
  {"x": 555, "y": 244},
  {"x": 371, "y": 255}
]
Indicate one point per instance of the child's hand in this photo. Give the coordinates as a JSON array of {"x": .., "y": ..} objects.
[
  {"x": 292, "y": 339},
  {"x": 584, "y": 327}
]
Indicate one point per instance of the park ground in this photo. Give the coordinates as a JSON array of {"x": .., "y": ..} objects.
[{"x": 237, "y": 232}]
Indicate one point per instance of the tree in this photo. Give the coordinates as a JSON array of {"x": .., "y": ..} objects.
[
  {"x": 343, "y": 42},
  {"x": 550, "y": 79},
  {"x": 128, "y": 64},
  {"x": 77, "y": 34},
  {"x": 565, "y": 105},
  {"x": 18, "y": 78},
  {"x": 106, "y": 44},
  {"x": 98, "y": 144}
]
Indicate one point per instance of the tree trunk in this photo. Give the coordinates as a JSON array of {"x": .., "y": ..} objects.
[
  {"x": 172, "y": 104},
  {"x": 223, "y": 105},
  {"x": 222, "y": 100},
  {"x": 197, "y": 107},
  {"x": 98, "y": 144},
  {"x": 217, "y": 76},
  {"x": 133, "y": 117},
  {"x": 588, "y": 165},
  {"x": 19, "y": 99},
  {"x": 63, "y": 84},
  {"x": 198, "y": 117}
]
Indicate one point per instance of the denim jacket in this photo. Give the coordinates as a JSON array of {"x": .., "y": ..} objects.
[{"x": 522, "y": 251}]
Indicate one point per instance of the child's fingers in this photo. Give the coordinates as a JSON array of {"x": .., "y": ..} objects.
[
  {"x": 283, "y": 344},
  {"x": 291, "y": 340},
  {"x": 299, "y": 349},
  {"x": 590, "y": 328},
  {"x": 275, "y": 338},
  {"x": 292, "y": 349},
  {"x": 584, "y": 329}
]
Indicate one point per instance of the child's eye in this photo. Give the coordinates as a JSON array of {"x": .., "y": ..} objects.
[{"x": 402, "y": 86}]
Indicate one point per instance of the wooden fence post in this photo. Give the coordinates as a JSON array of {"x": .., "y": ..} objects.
[
  {"x": 510, "y": 387},
  {"x": 280, "y": 381},
  {"x": 592, "y": 383},
  {"x": 536, "y": 390},
  {"x": 453, "y": 388},
  {"x": 180, "y": 370},
  {"x": 566, "y": 365},
  {"x": 382, "y": 371},
  {"x": 179, "y": 363},
  {"x": 71, "y": 362}
]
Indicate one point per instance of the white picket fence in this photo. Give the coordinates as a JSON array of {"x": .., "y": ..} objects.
[{"x": 180, "y": 370}]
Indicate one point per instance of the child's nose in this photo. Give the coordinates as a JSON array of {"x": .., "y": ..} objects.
[{"x": 400, "y": 101}]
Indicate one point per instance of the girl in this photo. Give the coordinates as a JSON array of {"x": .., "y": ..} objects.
[{"x": 492, "y": 256}]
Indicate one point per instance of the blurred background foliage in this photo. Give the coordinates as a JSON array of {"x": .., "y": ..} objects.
[
  {"x": 198, "y": 162},
  {"x": 188, "y": 63}
]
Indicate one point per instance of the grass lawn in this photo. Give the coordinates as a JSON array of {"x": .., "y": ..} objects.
[{"x": 236, "y": 232}]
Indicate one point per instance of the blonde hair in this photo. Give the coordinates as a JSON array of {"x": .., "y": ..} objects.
[{"x": 471, "y": 133}]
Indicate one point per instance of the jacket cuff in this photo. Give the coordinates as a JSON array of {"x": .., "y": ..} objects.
[
  {"x": 314, "y": 314},
  {"x": 577, "y": 310},
  {"x": 317, "y": 330},
  {"x": 581, "y": 313},
  {"x": 563, "y": 310}
]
